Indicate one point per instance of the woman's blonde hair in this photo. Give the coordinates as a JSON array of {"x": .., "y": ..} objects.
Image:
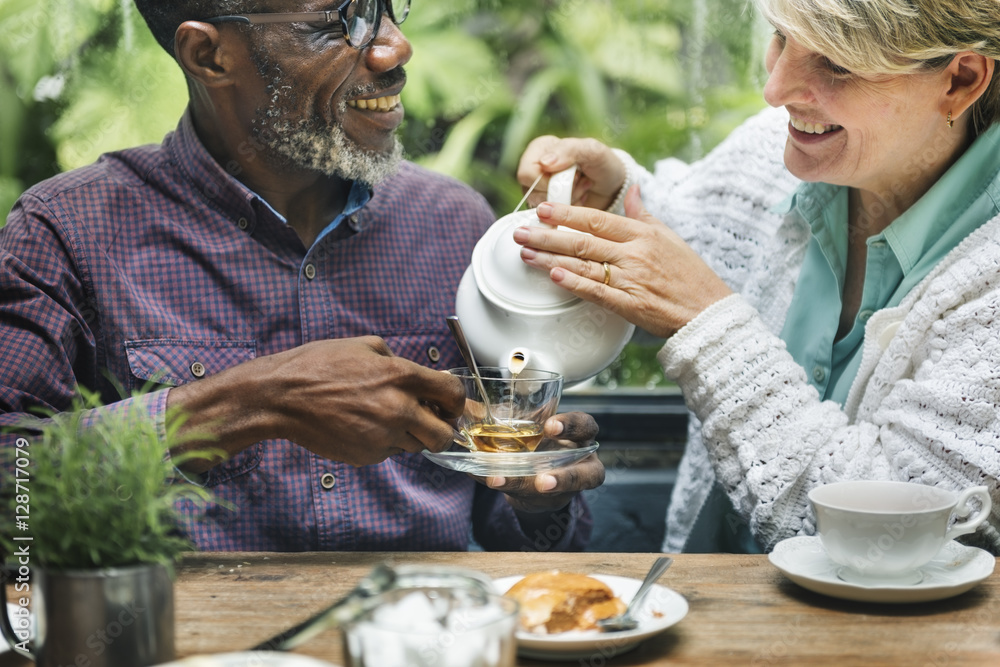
[{"x": 896, "y": 36}]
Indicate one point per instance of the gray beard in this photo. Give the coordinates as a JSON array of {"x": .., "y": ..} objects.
[
  {"x": 326, "y": 150},
  {"x": 305, "y": 144}
]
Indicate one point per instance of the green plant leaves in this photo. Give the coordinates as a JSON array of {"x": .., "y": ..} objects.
[{"x": 101, "y": 489}]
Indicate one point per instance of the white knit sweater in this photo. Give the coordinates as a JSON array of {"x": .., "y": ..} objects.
[{"x": 925, "y": 406}]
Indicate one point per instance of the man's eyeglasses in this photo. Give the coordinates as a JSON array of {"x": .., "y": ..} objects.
[{"x": 357, "y": 20}]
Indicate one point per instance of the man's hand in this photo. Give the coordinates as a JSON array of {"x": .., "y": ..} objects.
[
  {"x": 348, "y": 400},
  {"x": 554, "y": 490}
]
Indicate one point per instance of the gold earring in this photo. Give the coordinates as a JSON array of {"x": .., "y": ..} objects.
[{"x": 950, "y": 122}]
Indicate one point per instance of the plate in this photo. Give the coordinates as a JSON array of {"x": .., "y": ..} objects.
[
  {"x": 249, "y": 659},
  {"x": 508, "y": 464},
  {"x": 955, "y": 569},
  {"x": 662, "y": 608}
]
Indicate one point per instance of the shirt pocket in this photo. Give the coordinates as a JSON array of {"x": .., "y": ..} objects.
[
  {"x": 173, "y": 362},
  {"x": 432, "y": 348}
]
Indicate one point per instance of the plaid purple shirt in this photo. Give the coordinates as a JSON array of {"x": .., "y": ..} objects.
[{"x": 155, "y": 260}]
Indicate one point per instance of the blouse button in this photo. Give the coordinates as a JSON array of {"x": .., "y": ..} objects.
[
  {"x": 865, "y": 315},
  {"x": 198, "y": 369},
  {"x": 328, "y": 481},
  {"x": 433, "y": 354},
  {"x": 310, "y": 271},
  {"x": 819, "y": 374}
]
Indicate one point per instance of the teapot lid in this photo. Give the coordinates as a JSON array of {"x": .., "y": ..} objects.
[{"x": 501, "y": 275}]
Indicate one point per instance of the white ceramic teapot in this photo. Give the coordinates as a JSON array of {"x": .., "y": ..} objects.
[{"x": 511, "y": 311}]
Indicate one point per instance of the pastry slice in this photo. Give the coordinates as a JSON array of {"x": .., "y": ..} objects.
[{"x": 553, "y": 602}]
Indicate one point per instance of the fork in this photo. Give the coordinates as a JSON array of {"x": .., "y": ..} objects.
[{"x": 625, "y": 621}]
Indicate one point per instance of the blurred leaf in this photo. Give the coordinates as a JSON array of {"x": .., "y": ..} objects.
[
  {"x": 119, "y": 99},
  {"x": 643, "y": 54},
  {"x": 450, "y": 74},
  {"x": 459, "y": 147},
  {"x": 10, "y": 190},
  {"x": 526, "y": 119}
]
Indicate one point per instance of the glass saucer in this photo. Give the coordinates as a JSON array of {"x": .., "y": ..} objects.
[{"x": 508, "y": 464}]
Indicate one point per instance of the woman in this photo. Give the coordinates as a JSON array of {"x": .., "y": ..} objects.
[{"x": 831, "y": 315}]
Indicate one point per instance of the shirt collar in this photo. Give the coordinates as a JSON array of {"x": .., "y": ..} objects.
[
  {"x": 216, "y": 182},
  {"x": 219, "y": 183},
  {"x": 941, "y": 210},
  {"x": 938, "y": 212}
]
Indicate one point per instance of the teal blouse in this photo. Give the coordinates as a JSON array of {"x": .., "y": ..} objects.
[
  {"x": 963, "y": 199},
  {"x": 967, "y": 196}
]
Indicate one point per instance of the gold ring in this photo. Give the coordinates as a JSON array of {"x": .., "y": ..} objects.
[{"x": 607, "y": 273}]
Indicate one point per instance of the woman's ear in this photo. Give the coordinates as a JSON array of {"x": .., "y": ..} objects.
[
  {"x": 970, "y": 75},
  {"x": 202, "y": 53}
]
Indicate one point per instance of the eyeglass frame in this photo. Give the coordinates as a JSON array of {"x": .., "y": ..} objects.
[{"x": 326, "y": 15}]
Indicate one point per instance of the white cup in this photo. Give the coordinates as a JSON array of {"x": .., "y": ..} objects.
[{"x": 884, "y": 532}]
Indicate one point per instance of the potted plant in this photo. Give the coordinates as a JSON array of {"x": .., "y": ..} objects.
[{"x": 89, "y": 512}]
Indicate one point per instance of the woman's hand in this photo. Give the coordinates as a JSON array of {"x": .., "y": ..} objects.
[
  {"x": 600, "y": 174},
  {"x": 654, "y": 279}
]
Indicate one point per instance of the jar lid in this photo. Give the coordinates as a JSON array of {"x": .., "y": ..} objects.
[{"x": 501, "y": 275}]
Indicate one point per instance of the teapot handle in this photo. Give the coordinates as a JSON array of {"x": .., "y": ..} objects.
[{"x": 560, "y": 190}]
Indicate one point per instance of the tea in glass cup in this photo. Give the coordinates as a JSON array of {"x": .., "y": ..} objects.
[{"x": 518, "y": 404}]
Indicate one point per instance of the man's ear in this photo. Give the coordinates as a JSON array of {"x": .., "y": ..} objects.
[
  {"x": 204, "y": 54},
  {"x": 970, "y": 74}
]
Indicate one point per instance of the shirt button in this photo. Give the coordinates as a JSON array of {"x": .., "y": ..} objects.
[
  {"x": 352, "y": 221},
  {"x": 328, "y": 481},
  {"x": 242, "y": 223},
  {"x": 433, "y": 354},
  {"x": 819, "y": 374},
  {"x": 878, "y": 244},
  {"x": 310, "y": 271},
  {"x": 864, "y": 315},
  {"x": 198, "y": 369}
]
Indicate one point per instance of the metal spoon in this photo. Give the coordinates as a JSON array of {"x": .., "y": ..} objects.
[
  {"x": 625, "y": 621},
  {"x": 382, "y": 578},
  {"x": 470, "y": 361}
]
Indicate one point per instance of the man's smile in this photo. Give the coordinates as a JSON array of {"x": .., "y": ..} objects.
[{"x": 386, "y": 103}]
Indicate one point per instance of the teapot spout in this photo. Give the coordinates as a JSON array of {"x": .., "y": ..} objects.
[
  {"x": 520, "y": 359},
  {"x": 517, "y": 360}
]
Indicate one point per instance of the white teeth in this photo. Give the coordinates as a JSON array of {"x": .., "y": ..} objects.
[
  {"x": 383, "y": 104},
  {"x": 812, "y": 128}
]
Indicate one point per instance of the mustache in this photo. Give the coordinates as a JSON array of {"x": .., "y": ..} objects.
[{"x": 385, "y": 80}]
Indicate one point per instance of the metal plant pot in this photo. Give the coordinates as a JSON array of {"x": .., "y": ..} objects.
[{"x": 101, "y": 618}]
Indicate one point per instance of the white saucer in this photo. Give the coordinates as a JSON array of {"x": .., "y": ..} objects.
[
  {"x": 955, "y": 569},
  {"x": 662, "y": 608}
]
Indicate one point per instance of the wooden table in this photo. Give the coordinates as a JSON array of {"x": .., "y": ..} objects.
[{"x": 742, "y": 610}]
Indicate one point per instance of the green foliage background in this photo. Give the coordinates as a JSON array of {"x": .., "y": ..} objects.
[{"x": 658, "y": 78}]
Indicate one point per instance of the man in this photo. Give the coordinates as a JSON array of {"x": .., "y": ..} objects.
[{"x": 286, "y": 276}]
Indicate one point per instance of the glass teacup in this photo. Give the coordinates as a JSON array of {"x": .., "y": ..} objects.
[{"x": 516, "y": 410}]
